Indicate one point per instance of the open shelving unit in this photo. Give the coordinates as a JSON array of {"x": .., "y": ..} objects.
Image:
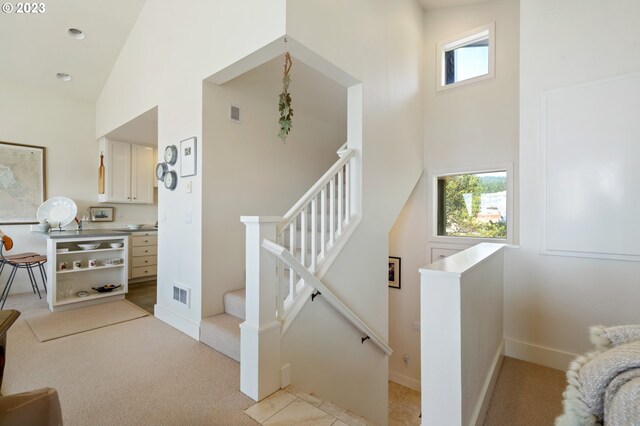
[{"x": 65, "y": 284}]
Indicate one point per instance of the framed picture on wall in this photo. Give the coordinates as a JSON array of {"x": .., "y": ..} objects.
[
  {"x": 394, "y": 272},
  {"x": 188, "y": 157},
  {"x": 101, "y": 214},
  {"x": 22, "y": 182}
]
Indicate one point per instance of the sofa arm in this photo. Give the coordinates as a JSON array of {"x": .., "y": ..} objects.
[{"x": 39, "y": 407}]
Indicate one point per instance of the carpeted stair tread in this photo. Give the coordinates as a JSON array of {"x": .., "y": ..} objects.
[
  {"x": 222, "y": 333},
  {"x": 234, "y": 303}
]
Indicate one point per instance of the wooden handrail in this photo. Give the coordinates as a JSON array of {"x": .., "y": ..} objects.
[{"x": 285, "y": 255}]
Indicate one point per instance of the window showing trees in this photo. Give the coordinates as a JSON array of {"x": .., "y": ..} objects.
[{"x": 473, "y": 205}]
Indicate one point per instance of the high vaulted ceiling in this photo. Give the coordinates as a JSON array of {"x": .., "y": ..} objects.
[{"x": 34, "y": 47}]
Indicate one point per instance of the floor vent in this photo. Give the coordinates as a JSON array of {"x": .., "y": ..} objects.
[{"x": 181, "y": 295}]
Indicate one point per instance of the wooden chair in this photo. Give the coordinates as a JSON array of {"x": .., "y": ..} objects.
[{"x": 28, "y": 261}]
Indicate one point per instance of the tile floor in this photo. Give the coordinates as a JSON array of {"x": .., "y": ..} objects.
[{"x": 291, "y": 406}]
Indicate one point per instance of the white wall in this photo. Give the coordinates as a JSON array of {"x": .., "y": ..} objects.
[
  {"x": 473, "y": 125},
  {"x": 168, "y": 54},
  {"x": 250, "y": 171},
  {"x": 462, "y": 345},
  {"x": 407, "y": 240},
  {"x": 551, "y": 301},
  {"x": 67, "y": 129},
  {"x": 379, "y": 43},
  {"x": 469, "y": 126}
]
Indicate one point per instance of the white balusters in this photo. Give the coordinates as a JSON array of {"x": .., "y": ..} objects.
[
  {"x": 313, "y": 227},
  {"x": 340, "y": 195},
  {"x": 347, "y": 195},
  {"x": 323, "y": 221},
  {"x": 292, "y": 249},
  {"x": 332, "y": 214},
  {"x": 303, "y": 236},
  {"x": 314, "y": 232}
]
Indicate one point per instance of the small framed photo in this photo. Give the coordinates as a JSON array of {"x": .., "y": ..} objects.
[
  {"x": 188, "y": 157},
  {"x": 394, "y": 272},
  {"x": 101, "y": 214}
]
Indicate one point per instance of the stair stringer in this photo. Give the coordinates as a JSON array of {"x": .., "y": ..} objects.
[{"x": 303, "y": 298}]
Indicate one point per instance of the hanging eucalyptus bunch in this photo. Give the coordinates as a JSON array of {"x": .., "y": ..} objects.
[{"x": 284, "y": 104}]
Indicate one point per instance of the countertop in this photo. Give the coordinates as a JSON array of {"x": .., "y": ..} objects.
[{"x": 93, "y": 233}]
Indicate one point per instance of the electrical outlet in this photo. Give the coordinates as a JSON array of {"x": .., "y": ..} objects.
[
  {"x": 405, "y": 359},
  {"x": 188, "y": 218},
  {"x": 416, "y": 325}
]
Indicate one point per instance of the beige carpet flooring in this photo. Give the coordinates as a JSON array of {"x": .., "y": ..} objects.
[
  {"x": 526, "y": 394},
  {"x": 145, "y": 372},
  {"x": 140, "y": 372}
]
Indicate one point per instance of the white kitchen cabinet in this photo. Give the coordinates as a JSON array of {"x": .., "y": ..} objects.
[
  {"x": 143, "y": 256},
  {"x": 129, "y": 172}
]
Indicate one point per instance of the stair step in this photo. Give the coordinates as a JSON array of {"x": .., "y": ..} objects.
[
  {"x": 222, "y": 333},
  {"x": 235, "y": 303}
]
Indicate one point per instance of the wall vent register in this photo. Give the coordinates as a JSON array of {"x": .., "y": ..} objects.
[
  {"x": 181, "y": 295},
  {"x": 234, "y": 113}
]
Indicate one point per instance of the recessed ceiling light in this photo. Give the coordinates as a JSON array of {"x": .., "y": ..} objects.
[
  {"x": 75, "y": 33},
  {"x": 63, "y": 76}
]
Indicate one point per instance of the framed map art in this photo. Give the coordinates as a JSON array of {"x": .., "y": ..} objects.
[{"x": 22, "y": 182}]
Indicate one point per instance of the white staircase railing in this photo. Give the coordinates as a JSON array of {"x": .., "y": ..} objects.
[
  {"x": 311, "y": 229},
  {"x": 288, "y": 258},
  {"x": 304, "y": 241}
]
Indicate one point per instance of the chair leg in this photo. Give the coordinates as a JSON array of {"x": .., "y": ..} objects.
[
  {"x": 43, "y": 274},
  {"x": 7, "y": 287},
  {"x": 32, "y": 278}
]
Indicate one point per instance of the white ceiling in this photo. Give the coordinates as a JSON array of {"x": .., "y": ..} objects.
[
  {"x": 33, "y": 48},
  {"x": 438, "y": 4}
]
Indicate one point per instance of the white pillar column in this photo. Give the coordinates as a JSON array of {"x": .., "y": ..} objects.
[{"x": 260, "y": 332}]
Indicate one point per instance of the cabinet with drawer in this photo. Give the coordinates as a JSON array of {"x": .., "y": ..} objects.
[{"x": 143, "y": 255}]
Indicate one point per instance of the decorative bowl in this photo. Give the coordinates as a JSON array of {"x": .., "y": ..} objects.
[
  {"x": 106, "y": 288},
  {"x": 88, "y": 246},
  {"x": 115, "y": 245},
  {"x": 133, "y": 226}
]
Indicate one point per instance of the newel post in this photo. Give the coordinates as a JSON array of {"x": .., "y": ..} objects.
[{"x": 260, "y": 332}]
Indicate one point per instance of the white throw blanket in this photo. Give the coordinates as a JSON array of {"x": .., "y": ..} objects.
[{"x": 604, "y": 386}]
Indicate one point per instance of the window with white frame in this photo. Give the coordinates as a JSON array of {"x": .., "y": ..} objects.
[
  {"x": 466, "y": 58},
  {"x": 472, "y": 204}
]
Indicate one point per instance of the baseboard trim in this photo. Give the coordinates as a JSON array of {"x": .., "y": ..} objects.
[
  {"x": 404, "y": 380},
  {"x": 541, "y": 355},
  {"x": 176, "y": 321},
  {"x": 482, "y": 405}
]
